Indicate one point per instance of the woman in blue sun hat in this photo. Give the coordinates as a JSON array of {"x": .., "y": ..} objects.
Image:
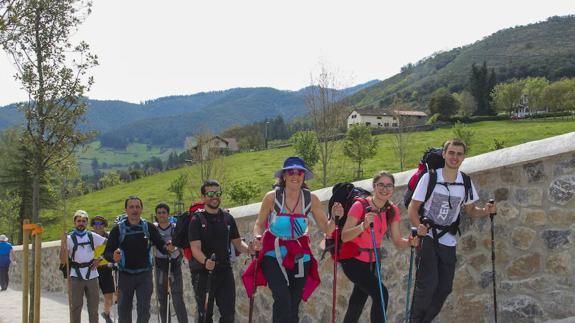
[{"x": 286, "y": 262}]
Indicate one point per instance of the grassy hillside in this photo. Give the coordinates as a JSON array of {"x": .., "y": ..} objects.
[
  {"x": 540, "y": 49},
  {"x": 259, "y": 167},
  {"x": 118, "y": 158}
]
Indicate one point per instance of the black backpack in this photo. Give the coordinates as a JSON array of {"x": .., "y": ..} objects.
[
  {"x": 180, "y": 237},
  {"x": 432, "y": 160},
  {"x": 346, "y": 194}
]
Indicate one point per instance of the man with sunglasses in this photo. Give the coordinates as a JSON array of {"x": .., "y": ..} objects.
[{"x": 212, "y": 231}]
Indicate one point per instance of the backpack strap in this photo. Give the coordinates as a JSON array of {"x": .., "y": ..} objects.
[
  {"x": 306, "y": 201},
  {"x": 430, "y": 184},
  {"x": 467, "y": 187}
]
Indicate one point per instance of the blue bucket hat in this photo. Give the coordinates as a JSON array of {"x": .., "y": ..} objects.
[{"x": 295, "y": 163}]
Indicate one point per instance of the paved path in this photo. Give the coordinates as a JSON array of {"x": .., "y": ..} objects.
[{"x": 53, "y": 306}]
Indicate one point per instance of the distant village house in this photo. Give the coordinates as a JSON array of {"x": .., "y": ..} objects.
[
  {"x": 380, "y": 118},
  {"x": 223, "y": 146}
]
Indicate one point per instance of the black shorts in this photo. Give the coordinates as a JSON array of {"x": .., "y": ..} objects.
[{"x": 106, "y": 280}]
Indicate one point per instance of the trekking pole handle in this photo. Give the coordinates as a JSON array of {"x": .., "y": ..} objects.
[
  {"x": 491, "y": 215},
  {"x": 367, "y": 210},
  {"x": 413, "y": 231}
]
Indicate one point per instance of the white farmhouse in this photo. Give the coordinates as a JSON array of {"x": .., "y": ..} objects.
[{"x": 379, "y": 118}]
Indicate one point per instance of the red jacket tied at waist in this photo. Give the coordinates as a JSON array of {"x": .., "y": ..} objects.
[{"x": 294, "y": 248}]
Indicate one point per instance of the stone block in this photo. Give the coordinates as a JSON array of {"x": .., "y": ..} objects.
[
  {"x": 562, "y": 190},
  {"x": 556, "y": 238},
  {"x": 462, "y": 280},
  {"x": 534, "y": 217},
  {"x": 532, "y": 196},
  {"x": 524, "y": 266},
  {"x": 522, "y": 237},
  {"x": 501, "y": 194},
  {"x": 561, "y": 216},
  {"x": 521, "y": 308},
  {"x": 486, "y": 279},
  {"x": 560, "y": 264},
  {"x": 478, "y": 261},
  {"x": 467, "y": 243},
  {"x": 565, "y": 166},
  {"x": 507, "y": 210},
  {"x": 559, "y": 304},
  {"x": 468, "y": 307},
  {"x": 510, "y": 175},
  {"x": 535, "y": 172}
]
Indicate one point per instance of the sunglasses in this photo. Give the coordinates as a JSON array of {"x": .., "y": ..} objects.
[
  {"x": 292, "y": 172},
  {"x": 212, "y": 194},
  {"x": 386, "y": 186},
  {"x": 97, "y": 223}
]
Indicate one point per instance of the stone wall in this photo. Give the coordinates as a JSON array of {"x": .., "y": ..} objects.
[{"x": 534, "y": 185}]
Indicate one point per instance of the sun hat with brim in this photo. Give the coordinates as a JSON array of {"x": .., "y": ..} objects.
[
  {"x": 295, "y": 163},
  {"x": 3, "y": 238}
]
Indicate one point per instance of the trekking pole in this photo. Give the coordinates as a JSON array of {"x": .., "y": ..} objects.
[
  {"x": 411, "y": 256},
  {"x": 250, "y": 316},
  {"x": 157, "y": 289},
  {"x": 368, "y": 209},
  {"x": 335, "y": 252},
  {"x": 115, "y": 274},
  {"x": 208, "y": 292},
  {"x": 491, "y": 215},
  {"x": 169, "y": 291}
]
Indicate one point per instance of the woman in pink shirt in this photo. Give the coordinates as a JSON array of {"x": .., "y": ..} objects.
[{"x": 361, "y": 269}]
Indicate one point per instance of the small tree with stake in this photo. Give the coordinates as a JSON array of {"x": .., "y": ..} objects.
[{"x": 359, "y": 145}]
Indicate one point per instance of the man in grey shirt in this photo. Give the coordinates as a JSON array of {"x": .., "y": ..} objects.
[{"x": 166, "y": 229}]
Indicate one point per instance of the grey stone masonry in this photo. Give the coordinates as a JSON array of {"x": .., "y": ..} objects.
[{"x": 534, "y": 185}]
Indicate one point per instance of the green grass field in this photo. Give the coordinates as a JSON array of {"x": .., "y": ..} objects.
[
  {"x": 259, "y": 167},
  {"x": 132, "y": 153}
]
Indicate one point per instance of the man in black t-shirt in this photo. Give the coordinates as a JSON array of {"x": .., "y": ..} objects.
[
  {"x": 211, "y": 232},
  {"x": 129, "y": 246}
]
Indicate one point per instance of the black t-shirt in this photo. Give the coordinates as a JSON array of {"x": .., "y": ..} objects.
[
  {"x": 215, "y": 236},
  {"x": 134, "y": 247}
]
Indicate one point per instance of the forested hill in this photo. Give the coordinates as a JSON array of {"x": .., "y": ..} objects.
[
  {"x": 168, "y": 120},
  {"x": 540, "y": 49}
]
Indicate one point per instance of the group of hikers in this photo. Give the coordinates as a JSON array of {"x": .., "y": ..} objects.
[{"x": 123, "y": 261}]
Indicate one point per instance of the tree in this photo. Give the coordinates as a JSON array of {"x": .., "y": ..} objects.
[
  {"x": 467, "y": 103},
  {"x": 178, "y": 186},
  {"x": 359, "y": 145},
  {"x": 306, "y": 145},
  {"x": 242, "y": 191},
  {"x": 507, "y": 96},
  {"x": 110, "y": 179},
  {"x": 9, "y": 205},
  {"x": 401, "y": 133},
  {"x": 326, "y": 112},
  {"x": 556, "y": 94},
  {"x": 463, "y": 132},
  {"x": 53, "y": 73},
  {"x": 207, "y": 155},
  {"x": 442, "y": 102},
  {"x": 481, "y": 83},
  {"x": 533, "y": 90}
]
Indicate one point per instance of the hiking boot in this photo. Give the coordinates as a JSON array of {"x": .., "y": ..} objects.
[{"x": 107, "y": 317}]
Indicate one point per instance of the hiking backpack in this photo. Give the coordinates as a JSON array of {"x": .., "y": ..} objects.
[
  {"x": 346, "y": 194},
  {"x": 180, "y": 236},
  {"x": 127, "y": 230},
  {"x": 76, "y": 265},
  {"x": 432, "y": 160}
]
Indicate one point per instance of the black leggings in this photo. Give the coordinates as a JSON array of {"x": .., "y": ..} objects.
[
  {"x": 286, "y": 298},
  {"x": 365, "y": 283}
]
